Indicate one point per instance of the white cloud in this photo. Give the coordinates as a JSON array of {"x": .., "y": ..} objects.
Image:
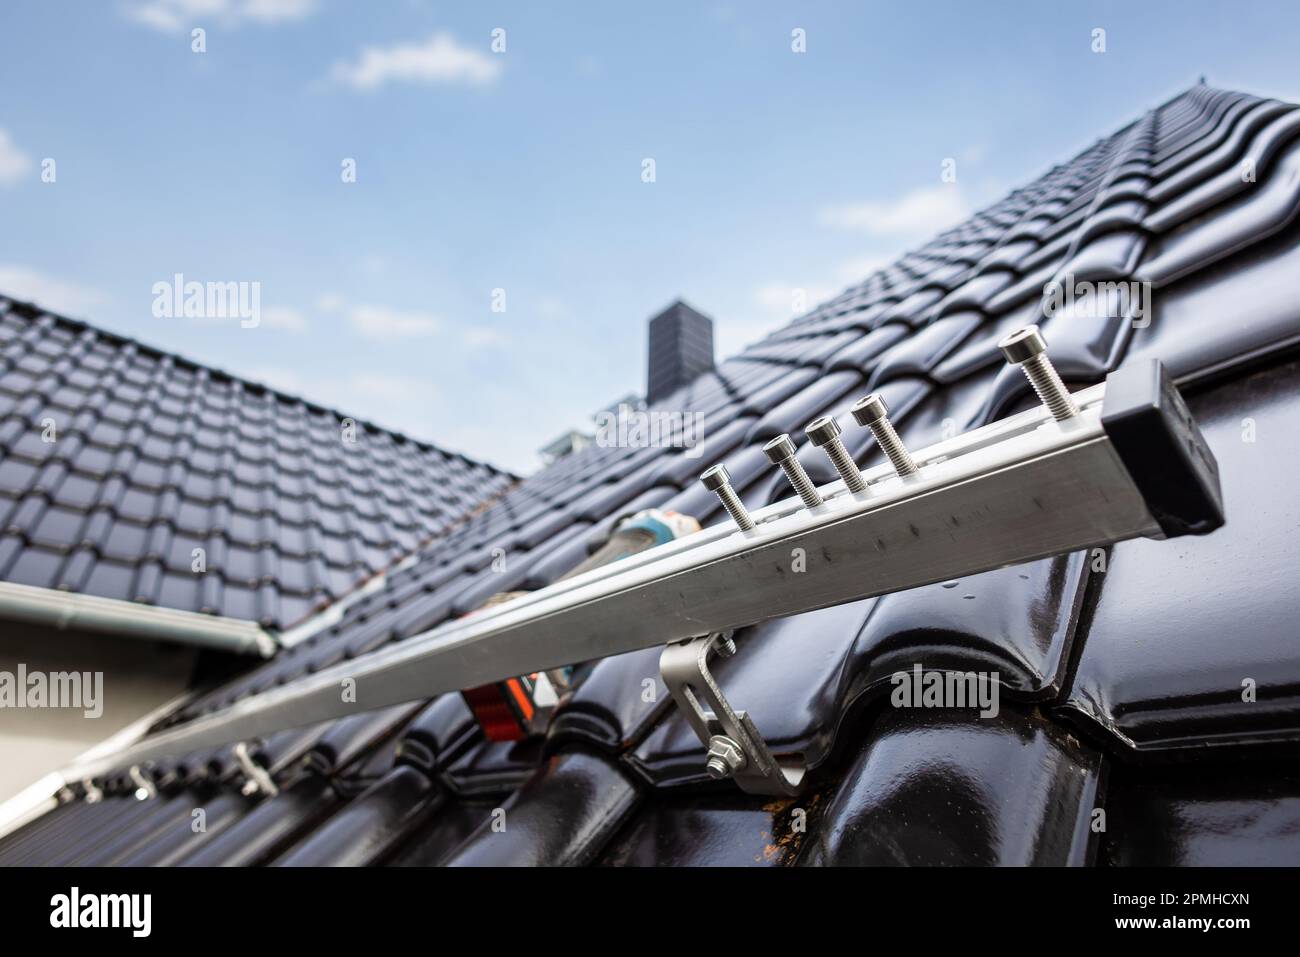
[
  {"x": 786, "y": 300},
  {"x": 330, "y": 390},
  {"x": 775, "y": 305},
  {"x": 284, "y": 317},
  {"x": 385, "y": 324},
  {"x": 478, "y": 337},
  {"x": 730, "y": 336},
  {"x": 276, "y": 11},
  {"x": 286, "y": 380},
  {"x": 14, "y": 163},
  {"x": 548, "y": 307},
  {"x": 394, "y": 392},
  {"x": 856, "y": 270},
  {"x": 405, "y": 404},
  {"x": 415, "y": 406},
  {"x": 380, "y": 322},
  {"x": 171, "y": 16},
  {"x": 922, "y": 212},
  {"x": 156, "y": 16},
  {"x": 25, "y": 283},
  {"x": 372, "y": 265},
  {"x": 439, "y": 60}
]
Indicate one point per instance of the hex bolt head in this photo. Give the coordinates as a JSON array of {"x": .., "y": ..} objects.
[
  {"x": 717, "y": 479},
  {"x": 872, "y": 412},
  {"x": 725, "y": 757},
  {"x": 1026, "y": 348},
  {"x": 824, "y": 433},
  {"x": 781, "y": 451}
]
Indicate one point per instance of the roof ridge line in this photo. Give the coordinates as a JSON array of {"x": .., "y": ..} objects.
[
  {"x": 33, "y": 311},
  {"x": 1099, "y": 141}
]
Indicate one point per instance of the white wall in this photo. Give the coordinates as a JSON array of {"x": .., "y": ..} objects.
[{"x": 139, "y": 676}]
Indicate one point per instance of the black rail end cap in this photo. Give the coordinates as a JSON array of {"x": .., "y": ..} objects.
[{"x": 1161, "y": 446}]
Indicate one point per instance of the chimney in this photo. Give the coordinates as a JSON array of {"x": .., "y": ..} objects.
[{"x": 681, "y": 348}]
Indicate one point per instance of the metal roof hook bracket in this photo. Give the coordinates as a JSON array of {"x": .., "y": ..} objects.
[
  {"x": 144, "y": 787},
  {"x": 257, "y": 780},
  {"x": 735, "y": 747}
]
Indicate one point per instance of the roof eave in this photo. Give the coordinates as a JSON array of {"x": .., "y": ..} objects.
[{"x": 71, "y": 611}]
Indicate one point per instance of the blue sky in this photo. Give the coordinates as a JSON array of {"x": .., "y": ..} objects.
[{"x": 521, "y": 170}]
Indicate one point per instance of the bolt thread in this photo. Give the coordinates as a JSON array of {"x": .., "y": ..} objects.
[
  {"x": 1042, "y": 375},
  {"x": 717, "y": 769},
  {"x": 893, "y": 447},
  {"x": 735, "y": 508},
  {"x": 803, "y": 485},
  {"x": 845, "y": 465}
]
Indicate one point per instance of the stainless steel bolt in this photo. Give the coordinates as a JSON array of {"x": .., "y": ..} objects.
[
  {"x": 872, "y": 412},
  {"x": 781, "y": 451},
  {"x": 1026, "y": 348},
  {"x": 718, "y": 479},
  {"x": 726, "y": 644},
  {"x": 725, "y": 757},
  {"x": 824, "y": 433}
]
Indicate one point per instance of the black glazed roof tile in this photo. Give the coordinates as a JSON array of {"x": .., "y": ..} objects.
[
  {"x": 943, "y": 788},
  {"x": 1163, "y": 667},
  {"x": 920, "y": 352},
  {"x": 774, "y": 658},
  {"x": 800, "y": 409},
  {"x": 152, "y": 439},
  {"x": 1190, "y": 334},
  {"x": 371, "y": 825},
  {"x": 617, "y": 703},
  {"x": 1236, "y": 815},
  {"x": 715, "y": 830},
  {"x": 564, "y": 814},
  {"x": 270, "y": 828},
  {"x": 974, "y": 625},
  {"x": 862, "y": 354}
]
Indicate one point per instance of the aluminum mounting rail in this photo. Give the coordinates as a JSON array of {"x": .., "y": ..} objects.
[{"x": 1119, "y": 460}]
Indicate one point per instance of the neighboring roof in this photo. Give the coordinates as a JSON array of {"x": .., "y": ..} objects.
[
  {"x": 118, "y": 461},
  {"x": 1106, "y": 662},
  {"x": 569, "y": 442}
]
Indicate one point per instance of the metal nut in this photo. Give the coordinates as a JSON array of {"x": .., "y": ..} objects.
[{"x": 725, "y": 757}]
